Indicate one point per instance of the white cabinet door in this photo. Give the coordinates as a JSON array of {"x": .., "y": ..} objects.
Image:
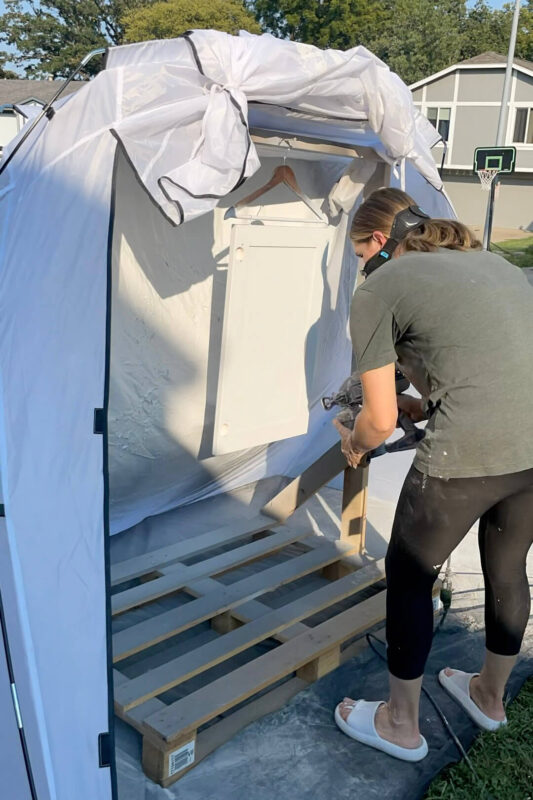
[{"x": 273, "y": 299}]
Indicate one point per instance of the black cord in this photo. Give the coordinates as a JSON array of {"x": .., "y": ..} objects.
[{"x": 446, "y": 600}]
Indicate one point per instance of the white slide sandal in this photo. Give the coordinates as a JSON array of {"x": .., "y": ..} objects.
[
  {"x": 458, "y": 686},
  {"x": 360, "y": 726}
]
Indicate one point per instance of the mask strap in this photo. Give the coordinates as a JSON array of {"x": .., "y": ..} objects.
[{"x": 384, "y": 255}]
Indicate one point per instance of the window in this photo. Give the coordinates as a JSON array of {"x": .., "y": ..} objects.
[
  {"x": 523, "y": 126},
  {"x": 440, "y": 119}
]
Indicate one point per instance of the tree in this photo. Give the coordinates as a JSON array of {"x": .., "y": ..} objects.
[
  {"x": 524, "y": 38},
  {"x": 339, "y": 24},
  {"x": 166, "y": 19},
  {"x": 52, "y": 36},
  {"x": 414, "y": 37},
  {"x": 485, "y": 29},
  {"x": 421, "y": 37},
  {"x": 6, "y": 73},
  {"x": 490, "y": 29}
]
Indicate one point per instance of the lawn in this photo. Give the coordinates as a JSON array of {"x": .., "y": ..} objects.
[
  {"x": 503, "y": 761},
  {"x": 517, "y": 251}
]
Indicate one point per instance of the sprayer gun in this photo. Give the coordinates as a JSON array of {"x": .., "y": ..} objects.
[{"x": 350, "y": 399}]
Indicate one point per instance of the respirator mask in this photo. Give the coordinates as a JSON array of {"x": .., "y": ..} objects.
[{"x": 406, "y": 220}]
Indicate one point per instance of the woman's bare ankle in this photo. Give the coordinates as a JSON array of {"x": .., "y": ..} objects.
[
  {"x": 490, "y": 702},
  {"x": 396, "y": 727}
]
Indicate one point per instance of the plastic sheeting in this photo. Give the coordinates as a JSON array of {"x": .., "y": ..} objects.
[
  {"x": 188, "y": 173},
  {"x": 167, "y": 319},
  {"x": 169, "y": 289}
]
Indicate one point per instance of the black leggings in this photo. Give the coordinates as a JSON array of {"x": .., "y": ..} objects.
[{"x": 432, "y": 517}]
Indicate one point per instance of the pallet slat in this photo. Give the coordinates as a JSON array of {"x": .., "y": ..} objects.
[
  {"x": 164, "y": 556},
  {"x": 136, "y": 716},
  {"x": 186, "y": 715},
  {"x": 276, "y": 511},
  {"x": 220, "y": 732},
  {"x": 150, "y": 632},
  {"x": 179, "y": 576},
  {"x": 170, "y": 732},
  {"x": 180, "y": 669},
  {"x": 245, "y": 612},
  {"x": 354, "y": 502},
  {"x": 305, "y": 485}
]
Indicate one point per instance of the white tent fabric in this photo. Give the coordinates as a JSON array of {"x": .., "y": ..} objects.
[{"x": 185, "y": 139}]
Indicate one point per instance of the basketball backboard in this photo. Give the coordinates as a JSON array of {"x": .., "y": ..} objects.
[{"x": 495, "y": 158}]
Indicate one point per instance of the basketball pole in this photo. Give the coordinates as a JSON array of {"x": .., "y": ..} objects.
[
  {"x": 502, "y": 121},
  {"x": 489, "y": 215}
]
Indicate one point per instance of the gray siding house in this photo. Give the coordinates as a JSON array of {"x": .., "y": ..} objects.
[
  {"x": 463, "y": 103},
  {"x": 19, "y": 98}
]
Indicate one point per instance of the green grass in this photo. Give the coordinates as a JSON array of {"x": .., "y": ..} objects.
[
  {"x": 512, "y": 245},
  {"x": 517, "y": 251},
  {"x": 502, "y": 760}
]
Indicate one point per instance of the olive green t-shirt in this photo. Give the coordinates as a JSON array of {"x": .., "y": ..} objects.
[{"x": 460, "y": 325}]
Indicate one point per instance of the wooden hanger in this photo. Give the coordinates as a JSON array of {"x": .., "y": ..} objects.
[{"x": 282, "y": 174}]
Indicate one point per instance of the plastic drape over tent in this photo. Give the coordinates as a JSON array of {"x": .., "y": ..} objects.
[
  {"x": 227, "y": 74},
  {"x": 179, "y": 109}
]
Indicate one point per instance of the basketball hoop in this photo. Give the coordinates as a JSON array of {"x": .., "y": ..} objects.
[
  {"x": 486, "y": 176},
  {"x": 488, "y": 163}
]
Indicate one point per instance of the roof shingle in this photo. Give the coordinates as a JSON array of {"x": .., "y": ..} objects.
[
  {"x": 490, "y": 57},
  {"x": 17, "y": 90}
]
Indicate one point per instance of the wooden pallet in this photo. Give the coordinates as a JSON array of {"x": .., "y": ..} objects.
[{"x": 173, "y": 738}]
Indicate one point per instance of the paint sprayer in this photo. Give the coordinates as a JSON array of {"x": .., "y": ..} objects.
[{"x": 350, "y": 400}]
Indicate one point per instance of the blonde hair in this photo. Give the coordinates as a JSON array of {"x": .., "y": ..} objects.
[{"x": 378, "y": 212}]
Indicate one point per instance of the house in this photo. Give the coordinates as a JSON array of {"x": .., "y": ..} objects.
[
  {"x": 20, "y": 98},
  {"x": 463, "y": 102}
]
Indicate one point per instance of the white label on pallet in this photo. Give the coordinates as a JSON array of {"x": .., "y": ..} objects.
[{"x": 179, "y": 759}]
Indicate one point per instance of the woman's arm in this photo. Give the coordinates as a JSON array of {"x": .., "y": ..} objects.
[{"x": 378, "y": 417}]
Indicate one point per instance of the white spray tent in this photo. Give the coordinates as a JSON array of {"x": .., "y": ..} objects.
[{"x": 134, "y": 290}]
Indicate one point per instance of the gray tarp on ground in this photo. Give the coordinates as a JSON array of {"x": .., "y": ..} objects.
[{"x": 298, "y": 753}]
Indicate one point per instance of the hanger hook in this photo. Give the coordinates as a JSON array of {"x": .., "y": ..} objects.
[{"x": 287, "y": 147}]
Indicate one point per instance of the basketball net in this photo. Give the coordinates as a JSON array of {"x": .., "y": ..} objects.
[{"x": 486, "y": 176}]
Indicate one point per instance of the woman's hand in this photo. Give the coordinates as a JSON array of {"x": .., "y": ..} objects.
[
  {"x": 353, "y": 455},
  {"x": 411, "y": 406}
]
